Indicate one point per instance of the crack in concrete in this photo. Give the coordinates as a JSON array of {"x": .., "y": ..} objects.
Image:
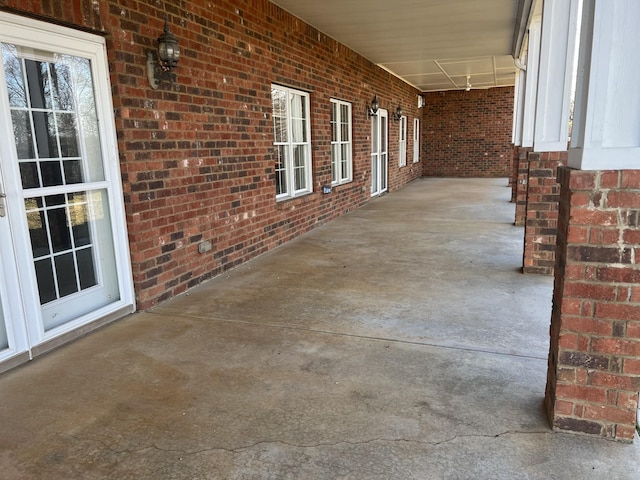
[
  {"x": 237, "y": 450},
  {"x": 348, "y": 335}
]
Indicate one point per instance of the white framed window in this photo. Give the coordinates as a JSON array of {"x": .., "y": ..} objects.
[
  {"x": 416, "y": 140},
  {"x": 292, "y": 132},
  {"x": 341, "y": 146},
  {"x": 402, "y": 142}
]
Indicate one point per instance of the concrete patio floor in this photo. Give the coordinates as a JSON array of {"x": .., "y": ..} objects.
[{"x": 397, "y": 342}]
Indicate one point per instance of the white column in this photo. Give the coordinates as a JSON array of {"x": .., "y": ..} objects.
[
  {"x": 531, "y": 86},
  {"x": 557, "y": 56},
  {"x": 606, "y": 126},
  {"x": 518, "y": 107}
]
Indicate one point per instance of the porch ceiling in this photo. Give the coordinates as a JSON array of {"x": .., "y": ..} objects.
[{"x": 431, "y": 44}]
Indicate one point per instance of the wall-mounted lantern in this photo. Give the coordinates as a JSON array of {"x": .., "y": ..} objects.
[
  {"x": 372, "y": 109},
  {"x": 397, "y": 115},
  {"x": 168, "y": 54}
]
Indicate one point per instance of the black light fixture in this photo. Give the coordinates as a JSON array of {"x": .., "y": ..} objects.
[
  {"x": 372, "y": 109},
  {"x": 397, "y": 115},
  {"x": 168, "y": 55}
]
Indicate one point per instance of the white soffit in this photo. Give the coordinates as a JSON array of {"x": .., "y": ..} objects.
[{"x": 431, "y": 44}]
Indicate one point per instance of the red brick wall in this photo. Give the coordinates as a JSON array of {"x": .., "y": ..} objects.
[
  {"x": 522, "y": 181},
  {"x": 541, "y": 223},
  {"x": 197, "y": 162},
  {"x": 594, "y": 360},
  {"x": 468, "y": 134}
]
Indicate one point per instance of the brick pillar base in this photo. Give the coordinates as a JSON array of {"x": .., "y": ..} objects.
[
  {"x": 521, "y": 186},
  {"x": 594, "y": 360},
  {"x": 541, "y": 220}
]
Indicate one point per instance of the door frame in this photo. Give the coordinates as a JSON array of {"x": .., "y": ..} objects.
[
  {"x": 376, "y": 151},
  {"x": 44, "y": 36}
]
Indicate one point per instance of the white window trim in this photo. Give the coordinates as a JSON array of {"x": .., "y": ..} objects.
[
  {"x": 289, "y": 160},
  {"x": 339, "y": 141},
  {"x": 416, "y": 140},
  {"x": 402, "y": 142}
]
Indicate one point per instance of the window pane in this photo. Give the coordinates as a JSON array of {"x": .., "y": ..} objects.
[
  {"x": 374, "y": 134},
  {"x": 346, "y": 159},
  {"x": 280, "y": 129},
  {"x": 79, "y": 219},
  {"x": 344, "y": 133},
  {"x": 51, "y": 173},
  {"x": 29, "y": 175},
  {"x": 79, "y": 96},
  {"x": 22, "y": 134},
  {"x": 62, "y": 86},
  {"x": 14, "y": 76},
  {"x": 66, "y": 274},
  {"x": 297, "y": 106},
  {"x": 299, "y": 167},
  {"x": 38, "y": 234},
  {"x": 298, "y": 131},
  {"x": 45, "y": 135},
  {"x": 281, "y": 176},
  {"x": 72, "y": 171},
  {"x": 335, "y": 161},
  {"x": 334, "y": 122},
  {"x": 86, "y": 269},
  {"x": 279, "y": 101},
  {"x": 58, "y": 229},
  {"x": 344, "y": 113},
  {"x": 39, "y": 85},
  {"x": 67, "y": 134},
  {"x": 46, "y": 284},
  {"x": 383, "y": 135}
]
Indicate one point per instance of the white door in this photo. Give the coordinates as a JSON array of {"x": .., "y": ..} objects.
[
  {"x": 65, "y": 231},
  {"x": 13, "y": 335},
  {"x": 379, "y": 152}
]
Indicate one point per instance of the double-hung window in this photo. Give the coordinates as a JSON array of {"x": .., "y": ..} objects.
[
  {"x": 341, "y": 164},
  {"x": 292, "y": 142},
  {"x": 402, "y": 148}
]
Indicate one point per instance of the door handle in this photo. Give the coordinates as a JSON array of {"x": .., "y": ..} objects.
[{"x": 3, "y": 212}]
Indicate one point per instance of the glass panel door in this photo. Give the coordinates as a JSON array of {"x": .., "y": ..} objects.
[
  {"x": 12, "y": 331},
  {"x": 379, "y": 159},
  {"x": 57, "y": 149},
  {"x": 4, "y": 339}
]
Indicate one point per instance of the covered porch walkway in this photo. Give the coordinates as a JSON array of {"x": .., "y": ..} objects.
[{"x": 399, "y": 341}]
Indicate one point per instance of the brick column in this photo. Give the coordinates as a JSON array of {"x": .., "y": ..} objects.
[
  {"x": 594, "y": 360},
  {"x": 541, "y": 220},
  {"x": 521, "y": 186}
]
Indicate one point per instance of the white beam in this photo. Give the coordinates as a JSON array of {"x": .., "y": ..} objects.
[
  {"x": 518, "y": 108},
  {"x": 531, "y": 85},
  {"x": 555, "y": 75},
  {"x": 606, "y": 128}
]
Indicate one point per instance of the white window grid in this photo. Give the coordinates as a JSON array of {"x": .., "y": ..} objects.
[
  {"x": 416, "y": 140},
  {"x": 292, "y": 139},
  {"x": 341, "y": 143},
  {"x": 402, "y": 142}
]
